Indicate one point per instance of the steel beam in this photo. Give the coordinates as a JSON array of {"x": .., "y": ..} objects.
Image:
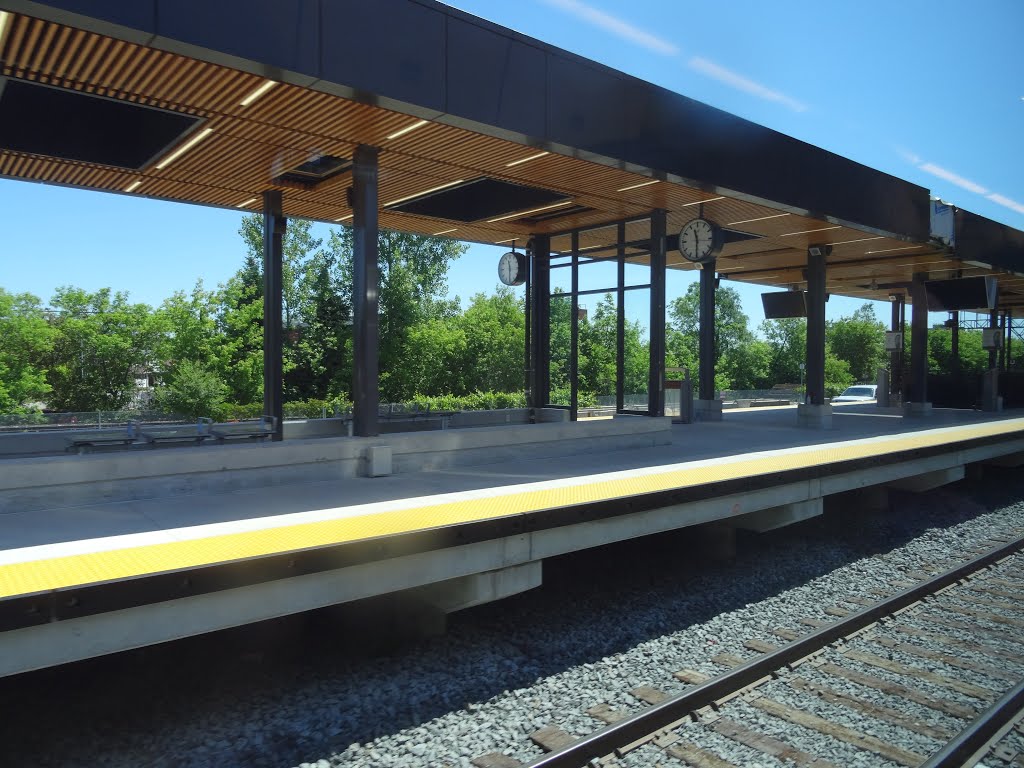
[
  {"x": 993, "y": 354},
  {"x": 917, "y": 389},
  {"x": 540, "y": 271},
  {"x": 706, "y": 352},
  {"x": 574, "y": 330},
  {"x": 656, "y": 381},
  {"x": 274, "y": 227},
  {"x": 366, "y": 279},
  {"x": 816, "y": 256}
]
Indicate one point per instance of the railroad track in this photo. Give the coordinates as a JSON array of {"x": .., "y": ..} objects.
[{"x": 931, "y": 675}]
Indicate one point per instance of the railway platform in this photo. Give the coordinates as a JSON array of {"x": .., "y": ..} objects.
[{"x": 104, "y": 552}]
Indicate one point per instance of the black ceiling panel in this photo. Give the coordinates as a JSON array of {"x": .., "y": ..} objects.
[
  {"x": 482, "y": 198},
  {"x": 54, "y": 122}
]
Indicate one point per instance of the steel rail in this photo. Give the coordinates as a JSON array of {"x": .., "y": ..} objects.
[
  {"x": 636, "y": 727},
  {"x": 965, "y": 744}
]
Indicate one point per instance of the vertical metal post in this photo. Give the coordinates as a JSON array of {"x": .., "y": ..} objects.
[
  {"x": 1002, "y": 348},
  {"x": 993, "y": 322},
  {"x": 574, "y": 332},
  {"x": 917, "y": 391},
  {"x": 706, "y": 332},
  {"x": 540, "y": 271},
  {"x": 528, "y": 332},
  {"x": 366, "y": 278},
  {"x": 816, "y": 256},
  {"x": 656, "y": 380},
  {"x": 896, "y": 355},
  {"x": 1009, "y": 339},
  {"x": 954, "y": 363},
  {"x": 620, "y": 322},
  {"x": 274, "y": 227}
]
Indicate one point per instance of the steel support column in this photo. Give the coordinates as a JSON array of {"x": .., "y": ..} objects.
[
  {"x": 706, "y": 337},
  {"x": 540, "y": 283},
  {"x": 1009, "y": 340},
  {"x": 574, "y": 329},
  {"x": 954, "y": 326},
  {"x": 896, "y": 355},
  {"x": 917, "y": 388},
  {"x": 274, "y": 226},
  {"x": 365, "y": 329},
  {"x": 816, "y": 256},
  {"x": 1002, "y": 348},
  {"x": 620, "y": 321},
  {"x": 993, "y": 322},
  {"x": 656, "y": 381}
]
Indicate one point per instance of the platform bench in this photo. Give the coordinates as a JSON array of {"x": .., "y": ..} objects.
[{"x": 260, "y": 429}]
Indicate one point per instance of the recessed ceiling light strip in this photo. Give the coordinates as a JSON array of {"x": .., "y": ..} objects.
[
  {"x": 168, "y": 159},
  {"x": 407, "y": 129},
  {"x": 343, "y": 218},
  {"x": 4, "y": 17},
  {"x": 247, "y": 203},
  {"x": 424, "y": 192},
  {"x": 637, "y": 186},
  {"x": 445, "y": 232},
  {"x": 860, "y": 240},
  {"x": 266, "y": 86},
  {"x": 133, "y": 186},
  {"x": 701, "y": 202},
  {"x": 891, "y": 250},
  {"x": 759, "y": 218},
  {"x": 809, "y": 231},
  {"x": 526, "y": 159}
]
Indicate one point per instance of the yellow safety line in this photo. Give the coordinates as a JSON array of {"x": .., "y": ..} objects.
[{"x": 90, "y": 568}]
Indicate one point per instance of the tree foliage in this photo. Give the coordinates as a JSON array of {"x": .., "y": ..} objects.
[{"x": 27, "y": 340}]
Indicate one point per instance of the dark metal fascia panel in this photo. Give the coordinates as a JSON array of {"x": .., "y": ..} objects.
[
  {"x": 433, "y": 61},
  {"x": 989, "y": 242}
]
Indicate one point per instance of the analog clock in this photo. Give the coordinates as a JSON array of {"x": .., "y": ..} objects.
[
  {"x": 512, "y": 268},
  {"x": 701, "y": 240}
]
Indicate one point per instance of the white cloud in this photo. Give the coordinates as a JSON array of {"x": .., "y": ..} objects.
[
  {"x": 616, "y": 26},
  {"x": 1011, "y": 204},
  {"x": 953, "y": 178},
  {"x": 740, "y": 83}
]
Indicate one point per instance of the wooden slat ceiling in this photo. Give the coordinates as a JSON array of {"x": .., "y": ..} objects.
[{"x": 288, "y": 125}]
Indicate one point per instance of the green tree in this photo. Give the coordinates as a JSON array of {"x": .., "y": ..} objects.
[
  {"x": 860, "y": 341},
  {"x": 494, "y": 328},
  {"x": 973, "y": 357},
  {"x": 102, "y": 342},
  {"x": 413, "y": 281},
  {"x": 27, "y": 340},
  {"x": 598, "y": 343},
  {"x": 731, "y": 334},
  {"x": 788, "y": 341},
  {"x": 190, "y": 321},
  {"x": 192, "y": 390}
]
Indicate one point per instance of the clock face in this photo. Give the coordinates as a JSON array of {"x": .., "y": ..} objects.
[
  {"x": 700, "y": 240},
  {"x": 511, "y": 268}
]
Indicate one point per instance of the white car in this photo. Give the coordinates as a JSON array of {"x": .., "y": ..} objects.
[{"x": 857, "y": 393}]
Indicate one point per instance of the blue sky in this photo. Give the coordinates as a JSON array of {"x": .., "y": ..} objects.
[{"x": 931, "y": 92}]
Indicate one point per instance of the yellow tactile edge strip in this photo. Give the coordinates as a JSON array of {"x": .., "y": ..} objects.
[{"x": 32, "y": 577}]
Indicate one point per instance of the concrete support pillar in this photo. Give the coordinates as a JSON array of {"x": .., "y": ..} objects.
[
  {"x": 656, "y": 383},
  {"x": 540, "y": 287},
  {"x": 1002, "y": 349},
  {"x": 1009, "y": 339},
  {"x": 917, "y": 390},
  {"x": 366, "y": 278},
  {"x": 274, "y": 227}
]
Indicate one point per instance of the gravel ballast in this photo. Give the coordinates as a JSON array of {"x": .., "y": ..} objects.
[{"x": 604, "y": 623}]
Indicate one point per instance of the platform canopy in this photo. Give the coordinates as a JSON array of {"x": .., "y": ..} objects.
[{"x": 485, "y": 135}]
